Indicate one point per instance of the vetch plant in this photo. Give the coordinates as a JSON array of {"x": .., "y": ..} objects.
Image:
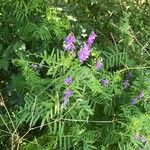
[
  {"x": 84, "y": 53},
  {"x": 85, "y": 50},
  {"x": 126, "y": 82},
  {"x": 68, "y": 80},
  {"x": 99, "y": 65},
  {"x": 74, "y": 94},
  {"x": 69, "y": 42},
  {"x": 91, "y": 38},
  {"x": 138, "y": 98},
  {"x": 67, "y": 94},
  {"x": 104, "y": 82}
]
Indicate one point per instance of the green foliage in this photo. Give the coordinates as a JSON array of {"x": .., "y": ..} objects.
[{"x": 34, "y": 66}]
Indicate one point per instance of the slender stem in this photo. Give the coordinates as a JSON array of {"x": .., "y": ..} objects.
[
  {"x": 7, "y": 111},
  {"x": 12, "y": 142},
  {"x": 5, "y": 131},
  {"x": 91, "y": 121},
  {"x": 5, "y": 124},
  {"x": 135, "y": 68}
]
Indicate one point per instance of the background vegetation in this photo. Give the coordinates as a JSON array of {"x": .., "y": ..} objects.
[{"x": 34, "y": 65}]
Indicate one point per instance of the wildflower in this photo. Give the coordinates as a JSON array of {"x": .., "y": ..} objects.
[
  {"x": 99, "y": 65},
  {"x": 133, "y": 101},
  {"x": 91, "y": 38},
  {"x": 104, "y": 82},
  {"x": 69, "y": 42},
  {"x": 84, "y": 53},
  {"x": 67, "y": 94},
  {"x": 141, "y": 95},
  {"x": 68, "y": 80},
  {"x": 64, "y": 104},
  {"x": 126, "y": 84}
]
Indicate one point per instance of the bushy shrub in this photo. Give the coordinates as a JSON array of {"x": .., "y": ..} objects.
[{"x": 65, "y": 86}]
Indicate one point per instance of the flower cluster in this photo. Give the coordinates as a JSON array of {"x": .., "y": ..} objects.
[
  {"x": 85, "y": 50},
  {"x": 67, "y": 93},
  {"x": 84, "y": 53},
  {"x": 69, "y": 42},
  {"x": 91, "y": 38},
  {"x": 137, "y": 98},
  {"x": 104, "y": 82},
  {"x": 126, "y": 83},
  {"x": 99, "y": 65},
  {"x": 68, "y": 80}
]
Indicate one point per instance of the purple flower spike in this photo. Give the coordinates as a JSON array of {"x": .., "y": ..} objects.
[
  {"x": 84, "y": 53},
  {"x": 69, "y": 42},
  {"x": 99, "y": 65},
  {"x": 141, "y": 95},
  {"x": 68, "y": 80},
  {"x": 91, "y": 38},
  {"x": 64, "y": 104},
  {"x": 133, "y": 101},
  {"x": 68, "y": 93},
  {"x": 104, "y": 82},
  {"x": 126, "y": 84}
]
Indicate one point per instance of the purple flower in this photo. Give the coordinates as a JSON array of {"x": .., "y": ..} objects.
[
  {"x": 91, "y": 38},
  {"x": 68, "y": 80},
  {"x": 68, "y": 93},
  {"x": 126, "y": 84},
  {"x": 141, "y": 95},
  {"x": 84, "y": 53},
  {"x": 64, "y": 104},
  {"x": 99, "y": 65},
  {"x": 104, "y": 82},
  {"x": 69, "y": 42},
  {"x": 133, "y": 101}
]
